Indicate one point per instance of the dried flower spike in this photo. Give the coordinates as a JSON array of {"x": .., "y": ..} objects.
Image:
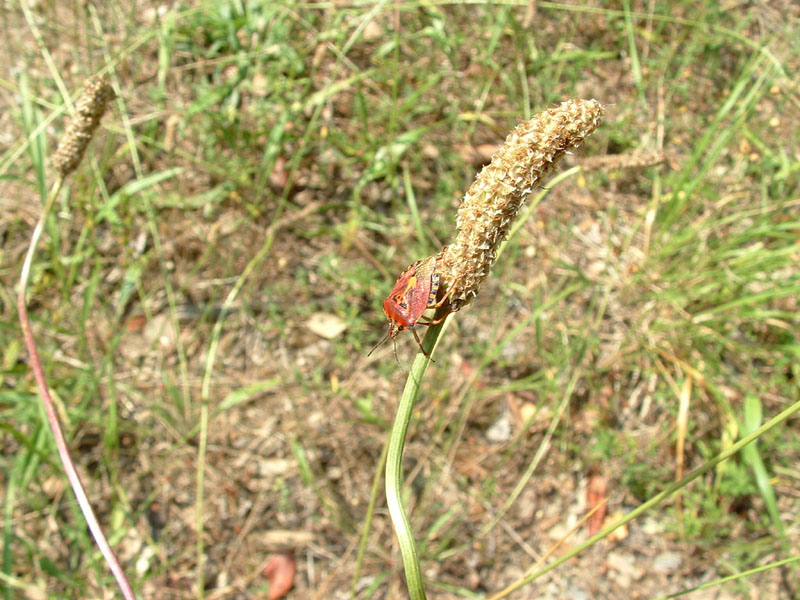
[
  {"x": 88, "y": 111},
  {"x": 491, "y": 204}
]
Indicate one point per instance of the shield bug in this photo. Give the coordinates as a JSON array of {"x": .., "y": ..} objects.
[{"x": 412, "y": 294}]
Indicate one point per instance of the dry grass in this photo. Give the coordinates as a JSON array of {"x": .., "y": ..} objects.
[{"x": 293, "y": 139}]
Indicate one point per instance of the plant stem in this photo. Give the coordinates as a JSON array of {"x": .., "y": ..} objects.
[
  {"x": 394, "y": 462},
  {"x": 52, "y": 416}
]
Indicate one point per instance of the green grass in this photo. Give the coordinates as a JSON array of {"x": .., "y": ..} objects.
[{"x": 620, "y": 291}]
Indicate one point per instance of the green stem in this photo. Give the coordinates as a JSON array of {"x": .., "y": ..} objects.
[{"x": 394, "y": 463}]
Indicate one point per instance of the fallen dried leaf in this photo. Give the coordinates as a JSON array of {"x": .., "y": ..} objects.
[
  {"x": 280, "y": 572},
  {"x": 477, "y": 155},
  {"x": 326, "y": 325},
  {"x": 595, "y": 495}
]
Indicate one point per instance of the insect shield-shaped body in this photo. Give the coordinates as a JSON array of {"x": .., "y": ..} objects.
[{"x": 412, "y": 295}]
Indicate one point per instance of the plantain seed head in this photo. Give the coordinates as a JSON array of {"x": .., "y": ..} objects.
[
  {"x": 88, "y": 111},
  {"x": 491, "y": 204}
]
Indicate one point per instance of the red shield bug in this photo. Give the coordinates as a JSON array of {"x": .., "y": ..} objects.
[{"x": 412, "y": 294}]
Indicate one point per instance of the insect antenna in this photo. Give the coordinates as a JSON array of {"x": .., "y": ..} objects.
[
  {"x": 394, "y": 344},
  {"x": 396, "y": 359},
  {"x": 375, "y": 347}
]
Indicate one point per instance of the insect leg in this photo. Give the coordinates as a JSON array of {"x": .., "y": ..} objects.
[
  {"x": 450, "y": 289},
  {"x": 419, "y": 343}
]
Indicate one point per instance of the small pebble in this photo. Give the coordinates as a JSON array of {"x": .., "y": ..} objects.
[{"x": 667, "y": 562}]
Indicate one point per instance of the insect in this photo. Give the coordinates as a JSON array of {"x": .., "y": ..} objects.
[{"x": 412, "y": 294}]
